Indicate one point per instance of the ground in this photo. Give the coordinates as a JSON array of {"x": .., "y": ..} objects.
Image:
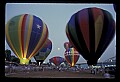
[{"x": 55, "y": 74}]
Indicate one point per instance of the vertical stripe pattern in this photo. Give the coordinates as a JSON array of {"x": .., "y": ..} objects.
[
  {"x": 72, "y": 56},
  {"x": 26, "y": 34},
  {"x": 90, "y": 31}
]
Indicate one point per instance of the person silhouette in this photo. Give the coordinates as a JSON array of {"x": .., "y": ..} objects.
[{"x": 106, "y": 74}]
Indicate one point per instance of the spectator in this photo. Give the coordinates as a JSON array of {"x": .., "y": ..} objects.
[
  {"x": 59, "y": 69},
  {"x": 95, "y": 71},
  {"x": 106, "y": 74}
]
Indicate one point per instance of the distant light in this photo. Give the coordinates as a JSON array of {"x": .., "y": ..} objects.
[
  {"x": 39, "y": 63},
  {"x": 58, "y": 48}
]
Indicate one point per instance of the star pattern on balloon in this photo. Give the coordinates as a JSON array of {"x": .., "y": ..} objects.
[
  {"x": 22, "y": 35},
  {"x": 38, "y": 26}
]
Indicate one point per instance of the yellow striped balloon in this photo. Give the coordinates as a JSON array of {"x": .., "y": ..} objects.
[{"x": 26, "y": 35}]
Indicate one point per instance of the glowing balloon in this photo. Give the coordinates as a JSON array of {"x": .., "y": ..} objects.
[
  {"x": 72, "y": 56},
  {"x": 26, "y": 35},
  {"x": 90, "y": 31},
  {"x": 44, "y": 52},
  {"x": 57, "y": 60}
]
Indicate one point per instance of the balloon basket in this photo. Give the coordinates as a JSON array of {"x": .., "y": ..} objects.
[{"x": 24, "y": 61}]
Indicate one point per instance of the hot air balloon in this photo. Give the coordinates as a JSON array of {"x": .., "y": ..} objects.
[
  {"x": 44, "y": 52},
  {"x": 67, "y": 45},
  {"x": 26, "y": 35},
  {"x": 57, "y": 60},
  {"x": 90, "y": 31},
  {"x": 72, "y": 56}
]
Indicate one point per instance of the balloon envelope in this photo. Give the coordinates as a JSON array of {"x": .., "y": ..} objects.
[
  {"x": 57, "y": 60},
  {"x": 90, "y": 31},
  {"x": 72, "y": 56},
  {"x": 44, "y": 52},
  {"x": 67, "y": 45},
  {"x": 26, "y": 34}
]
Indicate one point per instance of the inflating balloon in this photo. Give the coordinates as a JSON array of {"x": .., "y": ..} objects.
[
  {"x": 90, "y": 31},
  {"x": 72, "y": 56},
  {"x": 26, "y": 35},
  {"x": 44, "y": 52}
]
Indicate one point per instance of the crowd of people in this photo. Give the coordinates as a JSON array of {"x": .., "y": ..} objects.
[{"x": 35, "y": 68}]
